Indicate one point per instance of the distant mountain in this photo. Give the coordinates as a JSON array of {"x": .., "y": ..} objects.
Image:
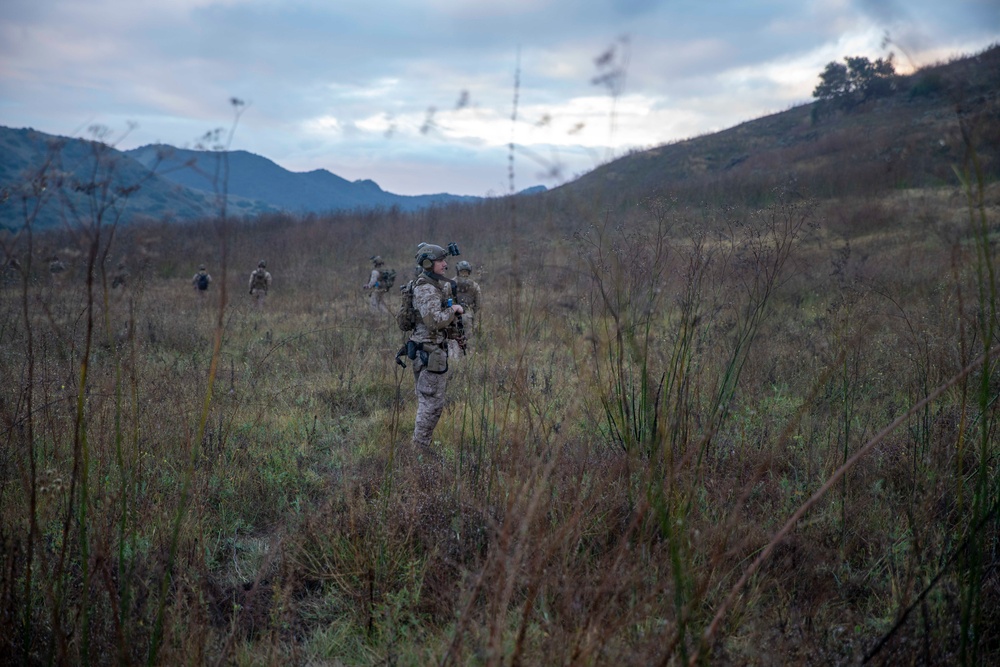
[
  {"x": 52, "y": 180},
  {"x": 255, "y": 177}
]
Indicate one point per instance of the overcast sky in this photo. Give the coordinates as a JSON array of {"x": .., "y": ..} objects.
[{"x": 419, "y": 95}]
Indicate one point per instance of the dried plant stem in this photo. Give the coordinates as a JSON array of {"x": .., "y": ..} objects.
[{"x": 829, "y": 484}]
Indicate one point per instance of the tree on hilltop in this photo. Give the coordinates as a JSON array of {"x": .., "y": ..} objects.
[{"x": 855, "y": 81}]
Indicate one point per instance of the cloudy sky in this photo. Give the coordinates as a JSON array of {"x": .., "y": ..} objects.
[{"x": 420, "y": 95}]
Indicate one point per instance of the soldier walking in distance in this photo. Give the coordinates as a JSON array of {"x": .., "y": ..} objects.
[
  {"x": 121, "y": 277},
  {"x": 379, "y": 282},
  {"x": 428, "y": 344},
  {"x": 470, "y": 297},
  {"x": 201, "y": 280},
  {"x": 56, "y": 268},
  {"x": 260, "y": 283}
]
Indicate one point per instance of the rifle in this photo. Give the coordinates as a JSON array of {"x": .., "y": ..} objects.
[{"x": 457, "y": 334}]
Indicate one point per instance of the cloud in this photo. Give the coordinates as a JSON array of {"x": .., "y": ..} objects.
[{"x": 376, "y": 85}]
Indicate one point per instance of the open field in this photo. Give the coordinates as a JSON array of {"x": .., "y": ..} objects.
[{"x": 682, "y": 434}]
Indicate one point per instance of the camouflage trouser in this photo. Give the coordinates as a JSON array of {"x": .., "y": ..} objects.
[
  {"x": 468, "y": 323},
  {"x": 430, "y": 389},
  {"x": 377, "y": 301},
  {"x": 259, "y": 295}
]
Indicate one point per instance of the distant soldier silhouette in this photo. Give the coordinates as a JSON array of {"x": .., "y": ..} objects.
[
  {"x": 379, "y": 282},
  {"x": 11, "y": 270},
  {"x": 121, "y": 277},
  {"x": 56, "y": 265},
  {"x": 57, "y": 270},
  {"x": 201, "y": 280},
  {"x": 260, "y": 283}
]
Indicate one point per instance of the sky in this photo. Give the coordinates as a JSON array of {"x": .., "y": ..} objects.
[{"x": 428, "y": 96}]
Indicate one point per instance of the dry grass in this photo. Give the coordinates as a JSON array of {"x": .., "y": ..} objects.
[{"x": 651, "y": 397}]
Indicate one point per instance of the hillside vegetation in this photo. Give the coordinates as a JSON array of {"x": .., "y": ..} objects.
[
  {"x": 724, "y": 415},
  {"x": 911, "y": 139}
]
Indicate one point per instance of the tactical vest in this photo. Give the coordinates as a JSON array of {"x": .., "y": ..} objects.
[
  {"x": 260, "y": 279},
  {"x": 465, "y": 295}
]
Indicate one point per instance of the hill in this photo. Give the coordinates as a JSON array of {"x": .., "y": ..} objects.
[
  {"x": 81, "y": 176},
  {"x": 912, "y": 138},
  {"x": 256, "y": 177},
  {"x": 50, "y": 179}
]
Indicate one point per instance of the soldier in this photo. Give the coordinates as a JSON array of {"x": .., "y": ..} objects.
[
  {"x": 56, "y": 265},
  {"x": 201, "y": 280},
  {"x": 432, "y": 298},
  {"x": 57, "y": 270},
  {"x": 379, "y": 283},
  {"x": 12, "y": 270},
  {"x": 121, "y": 277},
  {"x": 470, "y": 297},
  {"x": 260, "y": 283}
]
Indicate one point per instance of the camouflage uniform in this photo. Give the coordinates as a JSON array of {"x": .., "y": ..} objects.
[
  {"x": 121, "y": 277},
  {"x": 197, "y": 279},
  {"x": 470, "y": 297},
  {"x": 56, "y": 267},
  {"x": 377, "y": 300},
  {"x": 429, "y": 294},
  {"x": 260, "y": 282}
]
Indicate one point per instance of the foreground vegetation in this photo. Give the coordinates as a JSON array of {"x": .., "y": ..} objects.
[
  {"x": 685, "y": 433},
  {"x": 650, "y": 399}
]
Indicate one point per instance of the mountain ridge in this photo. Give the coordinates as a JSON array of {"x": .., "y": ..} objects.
[
  {"x": 258, "y": 177},
  {"x": 173, "y": 183}
]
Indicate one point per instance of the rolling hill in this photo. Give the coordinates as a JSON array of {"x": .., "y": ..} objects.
[
  {"x": 256, "y": 177},
  {"x": 934, "y": 121},
  {"x": 49, "y": 179}
]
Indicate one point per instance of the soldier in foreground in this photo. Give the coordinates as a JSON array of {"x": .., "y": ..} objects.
[
  {"x": 201, "y": 280},
  {"x": 428, "y": 344},
  {"x": 260, "y": 283}
]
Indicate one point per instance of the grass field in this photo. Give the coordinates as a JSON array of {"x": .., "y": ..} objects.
[{"x": 682, "y": 434}]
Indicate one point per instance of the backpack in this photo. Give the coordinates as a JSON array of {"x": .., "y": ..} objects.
[
  {"x": 407, "y": 315},
  {"x": 203, "y": 281},
  {"x": 464, "y": 294},
  {"x": 386, "y": 279},
  {"x": 260, "y": 279}
]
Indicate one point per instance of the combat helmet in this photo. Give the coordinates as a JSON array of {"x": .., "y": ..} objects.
[
  {"x": 377, "y": 260},
  {"x": 463, "y": 266},
  {"x": 261, "y": 264},
  {"x": 428, "y": 253}
]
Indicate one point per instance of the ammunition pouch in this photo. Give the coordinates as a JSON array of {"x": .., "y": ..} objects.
[{"x": 436, "y": 359}]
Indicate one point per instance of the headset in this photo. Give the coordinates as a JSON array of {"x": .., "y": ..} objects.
[{"x": 426, "y": 263}]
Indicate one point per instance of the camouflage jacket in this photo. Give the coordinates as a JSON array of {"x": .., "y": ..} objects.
[
  {"x": 468, "y": 293},
  {"x": 260, "y": 279},
  {"x": 429, "y": 296}
]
